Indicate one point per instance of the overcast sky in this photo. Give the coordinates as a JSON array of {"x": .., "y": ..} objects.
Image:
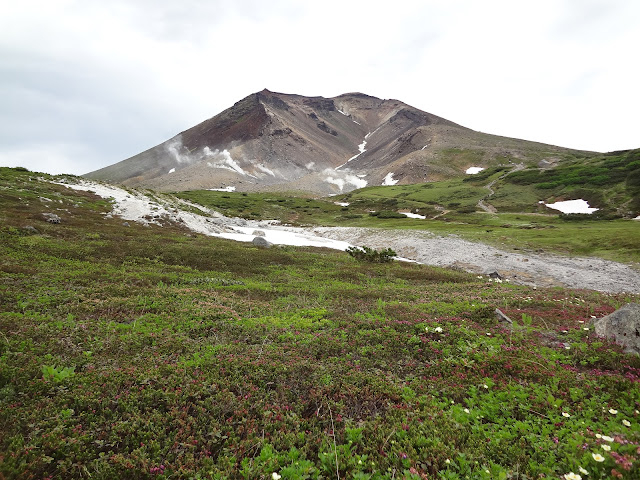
[{"x": 87, "y": 83}]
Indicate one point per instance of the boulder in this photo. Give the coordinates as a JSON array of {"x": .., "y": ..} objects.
[
  {"x": 258, "y": 233},
  {"x": 622, "y": 326},
  {"x": 261, "y": 242},
  {"x": 31, "y": 229},
  {"x": 51, "y": 217}
]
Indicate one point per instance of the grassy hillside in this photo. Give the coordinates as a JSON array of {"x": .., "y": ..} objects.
[
  {"x": 609, "y": 182},
  {"x": 147, "y": 352}
]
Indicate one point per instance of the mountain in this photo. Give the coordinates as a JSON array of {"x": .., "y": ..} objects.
[{"x": 276, "y": 141}]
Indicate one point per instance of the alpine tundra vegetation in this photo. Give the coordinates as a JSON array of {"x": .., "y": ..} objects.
[{"x": 144, "y": 350}]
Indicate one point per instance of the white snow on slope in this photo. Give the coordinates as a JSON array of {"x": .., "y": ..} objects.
[
  {"x": 474, "y": 170},
  {"x": 225, "y": 189},
  {"x": 388, "y": 180},
  {"x": 361, "y": 147},
  {"x": 172, "y": 170},
  {"x": 424, "y": 146},
  {"x": 413, "y": 215},
  {"x": 573, "y": 206},
  {"x": 141, "y": 208}
]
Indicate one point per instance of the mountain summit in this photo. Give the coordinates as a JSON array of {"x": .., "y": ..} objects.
[{"x": 277, "y": 141}]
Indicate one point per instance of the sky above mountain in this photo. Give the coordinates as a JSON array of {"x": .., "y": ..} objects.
[{"x": 84, "y": 84}]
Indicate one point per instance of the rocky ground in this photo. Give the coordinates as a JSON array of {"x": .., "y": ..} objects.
[{"x": 528, "y": 269}]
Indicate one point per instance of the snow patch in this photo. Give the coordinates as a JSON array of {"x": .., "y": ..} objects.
[
  {"x": 342, "y": 204},
  {"x": 388, "y": 180},
  {"x": 224, "y": 189},
  {"x": 361, "y": 147},
  {"x": 473, "y": 170},
  {"x": 413, "y": 215},
  {"x": 573, "y": 206},
  {"x": 344, "y": 113},
  {"x": 424, "y": 146},
  {"x": 310, "y": 165},
  {"x": 172, "y": 170}
]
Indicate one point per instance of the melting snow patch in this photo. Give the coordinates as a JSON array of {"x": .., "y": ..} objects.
[
  {"x": 572, "y": 206},
  {"x": 342, "y": 204},
  {"x": 362, "y": 149},
  {"x": 310, "y": 165},
  {"x": 413, "y": 215},
  {"x": 474, "y": 170},
  {"x": 388, "y": 180},
  {"x": 172, "y": 170},
  {"x": 225, "y": 189},
  {"x": 345, "y": 114},
  {"x": 424, "y": 146}
]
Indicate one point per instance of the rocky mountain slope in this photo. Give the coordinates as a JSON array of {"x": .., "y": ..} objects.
[{"x": 275, "y": 141}]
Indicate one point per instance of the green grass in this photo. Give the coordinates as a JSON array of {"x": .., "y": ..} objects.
[{"x": 146, "y": 352}]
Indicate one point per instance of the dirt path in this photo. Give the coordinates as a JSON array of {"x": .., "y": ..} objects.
[
  {"x": 543, "y": 270},
  {"x": 488, "y": 207}
]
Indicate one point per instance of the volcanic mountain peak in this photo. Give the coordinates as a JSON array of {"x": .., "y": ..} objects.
[{"x": 277, "y": 141}]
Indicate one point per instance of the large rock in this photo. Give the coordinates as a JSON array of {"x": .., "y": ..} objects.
[
  {"x": 261, "y": 242},
  {"x": 622, "y": 326}
]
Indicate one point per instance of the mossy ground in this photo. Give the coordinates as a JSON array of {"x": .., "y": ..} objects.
[{"x": 149, "y": 352}]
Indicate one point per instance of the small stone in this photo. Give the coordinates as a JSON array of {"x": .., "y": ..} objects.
[
  {"x": 31, "y": 229},
  {"x": 502, "y": 317}
]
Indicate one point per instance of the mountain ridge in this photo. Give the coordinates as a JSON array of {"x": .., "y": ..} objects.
[{"x": 279, "y": 141}]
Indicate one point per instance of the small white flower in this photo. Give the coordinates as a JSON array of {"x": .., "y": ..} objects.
[
  {"x": 598, "y": 435},
  {"x": 585, "y": 328},
  {"x": 565, "y": 414},
  {"x": 275, "y": 476},
  {"x": 447, "y": 461},
  {"x": 607, "y": 439},
  {"x": 565, "y": 331},
  {"x": 613, "y": 411},
  {"x": 583, "y": 471},
  {"x": 597, "y": 457},
  {"x": 466, "y": 410},
  {"x": 426, "y": 329},
  {"x": 606, "y": 448},
  {"x": 485, "y": 386},
  {"x": 438, "y": 329},
  {"x": 626, "y": 423},
  {"x": 572, "y": 476},
  {"x": 567, "y": 347},
  {"x": 488, "y": 334},
  {"x": 486, "y": 470},
  {"x": 580, "y": 321}
]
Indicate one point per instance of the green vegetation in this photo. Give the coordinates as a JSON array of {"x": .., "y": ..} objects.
[
  {"x": 451, "y": 207},
  {"x": 146, "y": 352},
  {"x": 368, "y": 254}
]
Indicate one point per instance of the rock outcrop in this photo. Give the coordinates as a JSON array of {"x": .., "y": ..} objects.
[{"x": 622, "y": 326}]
